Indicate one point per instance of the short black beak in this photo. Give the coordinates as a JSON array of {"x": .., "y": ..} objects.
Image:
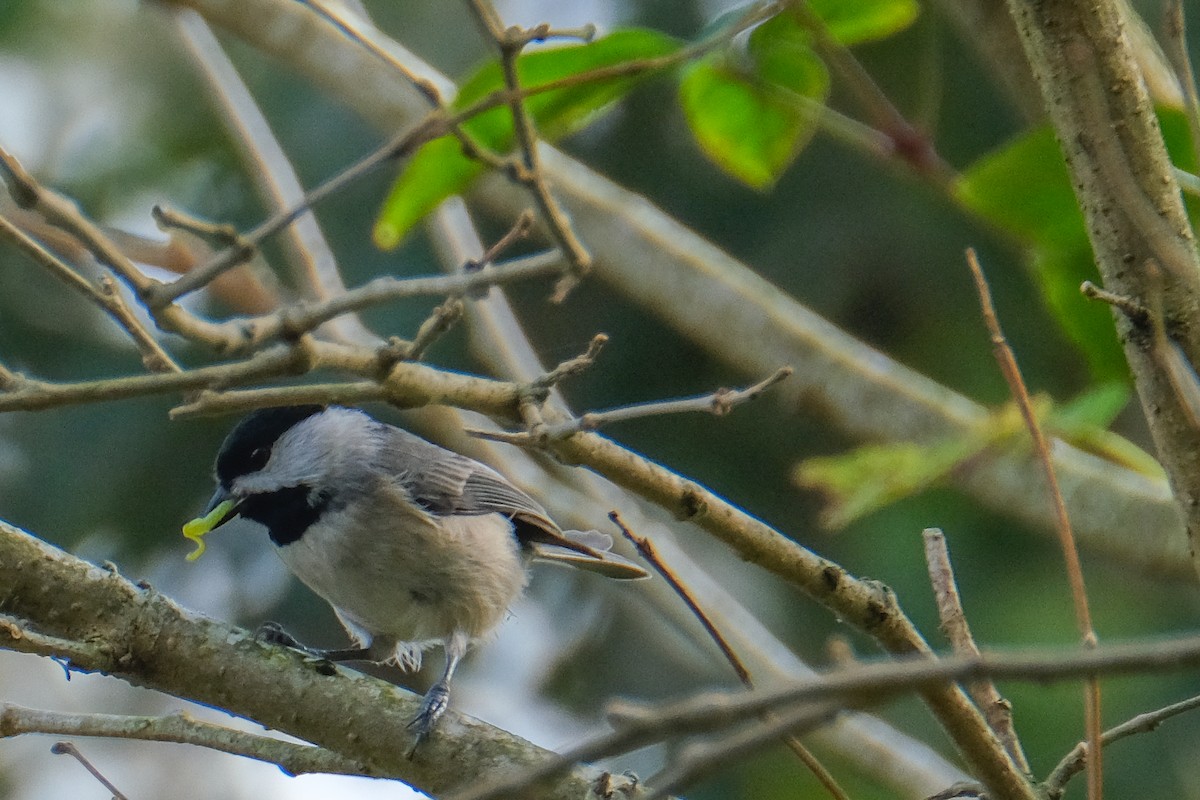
[{"x": 220, "y": 496}]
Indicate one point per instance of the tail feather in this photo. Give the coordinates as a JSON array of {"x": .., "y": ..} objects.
[{"x": 589, "y": 550}]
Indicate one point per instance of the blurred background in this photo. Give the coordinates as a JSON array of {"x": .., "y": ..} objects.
[{"x": 101, "y": 103}]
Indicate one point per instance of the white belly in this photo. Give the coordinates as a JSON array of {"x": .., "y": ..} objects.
[{"x": 417, "y": 580}]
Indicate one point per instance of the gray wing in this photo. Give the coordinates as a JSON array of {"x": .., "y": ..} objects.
[{"x": 445, "y": 483}]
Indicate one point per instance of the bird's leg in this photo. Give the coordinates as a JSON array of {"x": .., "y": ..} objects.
[{"x": 437, "y": 699}]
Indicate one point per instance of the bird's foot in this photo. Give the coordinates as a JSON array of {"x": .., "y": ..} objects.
[
  {"x": 437, "y": 700},
  {"x": 273, "y": 633}
]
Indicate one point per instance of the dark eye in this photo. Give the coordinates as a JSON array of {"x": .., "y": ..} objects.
[{"x": 259, "y": 457}]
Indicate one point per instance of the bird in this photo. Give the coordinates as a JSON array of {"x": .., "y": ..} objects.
[{"x": 413, "y": 545}]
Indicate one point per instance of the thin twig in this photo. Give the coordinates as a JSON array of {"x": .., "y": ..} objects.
[
  {"x": 1016, "y": 383},
  {"x": 719, "y": 403},
  {"x": 519, "y": 230},
  {"x": 1073, "y": 763},
  {"x": 510, "y": 42},
  {"x": 294, "y": 320},
  {"x": 179, "y": 728},
  {"x": 647, "y": 551},
  {"x": 437, "y": 324},
  {"x": 863, "y": 685},
  {"x": 908, "y": 143},
  {"x": 996, "y": 708},
  {"x": 569, "y": 368},
  {"x": 106, "y": 296},
  {"x": 400, "y": 146},
  {"x": 68, "y": 749},
  {"x": 1131, "y": 308}
]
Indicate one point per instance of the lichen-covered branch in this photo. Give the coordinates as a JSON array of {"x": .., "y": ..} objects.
[
  {"x": 1094, "y": 92},
  {"x": 136, "y": 634}
]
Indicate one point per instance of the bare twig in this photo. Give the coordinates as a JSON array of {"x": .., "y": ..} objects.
[
  {"x": 68, "y": 749},
  {"x": 719, "y": 403},
  {"x": 568, "y": 369},
  {"x": 441, "y": 320},
  {"x": 996, "y": 708},
  {"x": 1073, "y": 763},
  {"x": 647, "y": 551},
  {"x": 510, "y": 42},
  {"x": 519, "y": 230},
  {"x": 179, "y": 728},
  {"x": 1012, "y": 375},
  {"x": 106, "y": 296},
  {"x": 907, "y": 142},
  {"x": 863, "y": 685},
  {"x": 294, "y": 320},
  {"x": 163, "y": 295},
  {"x": 1131, "y": 308}
]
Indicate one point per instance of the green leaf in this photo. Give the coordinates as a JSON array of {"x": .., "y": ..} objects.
[
  {"x": 1083, "y": 422},
  {"x": 753, "y": 126},
  {"x": 1096, "y": 406},
  {"x": 856, "y": 21},
  {"x": 781, "y": 52},
  {"x": 870, "y": 478},
  {"x": 440, "y": 169}
]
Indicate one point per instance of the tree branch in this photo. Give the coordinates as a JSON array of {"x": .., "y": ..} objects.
[
  {"x": 1122, "y": 176},
  {"x": 138, "y": 635}
]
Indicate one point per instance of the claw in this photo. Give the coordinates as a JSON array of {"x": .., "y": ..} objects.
[
  {"x": 437, "y": 700},
  {"x": 273, "y": 633}
]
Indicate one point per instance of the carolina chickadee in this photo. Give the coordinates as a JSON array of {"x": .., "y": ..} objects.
[{"x": 413, "y": 545}]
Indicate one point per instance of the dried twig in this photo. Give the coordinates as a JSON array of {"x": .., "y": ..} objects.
[
  {"x": 1073, "y": 763},
  {"x": 1016, "y": 384},
  {"x": 996, "y": 708},
  {"x": 180, "y": 728},
  {"x": 68, "y": 749},
  {"x": 106, "y": 296},
  {"x": 719, "y": 403},
  {"x": 647, "y": 551},
  {"x": 510, "y": 42}
]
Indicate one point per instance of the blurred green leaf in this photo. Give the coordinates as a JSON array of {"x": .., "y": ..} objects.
[
  {"x": 867, "y": 479},
  {"x": 753, "y": 125},
  {"x": 1025, "y": 189},
  {"x": 1083, "y": 422},
  {"x": 1097, "y": 406},
  {"x": 857, "y": 21},
  {"x": 440, "y": 169},
  {"x": 781, "y": 52}
]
